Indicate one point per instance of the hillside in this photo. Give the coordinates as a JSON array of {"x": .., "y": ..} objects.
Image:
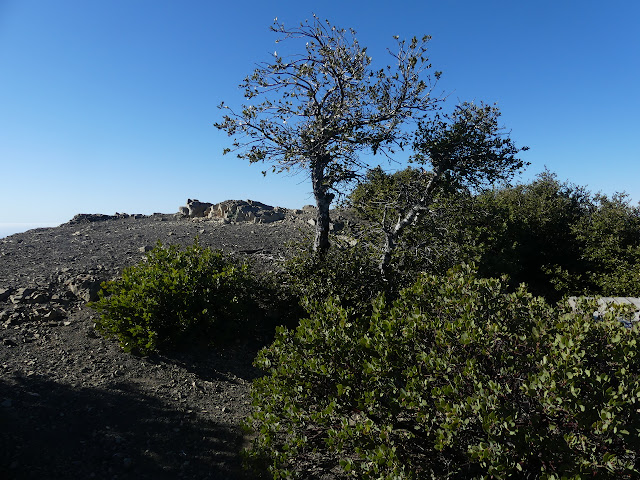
[{"x": 73, "y": 405}]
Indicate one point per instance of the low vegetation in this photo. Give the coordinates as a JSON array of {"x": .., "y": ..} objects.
[
  {"x": 175, "y": 298},
  {"x": 555, "y": 237},
  {"x": 433, "y": 371},
  {"x": 456, "y": 378}
]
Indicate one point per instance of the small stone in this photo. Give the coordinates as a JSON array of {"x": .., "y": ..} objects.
[
  {"x": 7, "y": 403},
  {"x": 53, "y": 314},
  {"x": 39, "y": 297}
]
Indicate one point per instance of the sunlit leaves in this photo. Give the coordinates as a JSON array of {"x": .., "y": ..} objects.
[
  {"x": 174, "y": 296},
  {"x": 456, "y": 379}
]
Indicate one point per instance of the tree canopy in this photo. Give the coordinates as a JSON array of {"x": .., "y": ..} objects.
[
  {"x": 317, "y": 110},
  {"x": 466, "y": 149}
]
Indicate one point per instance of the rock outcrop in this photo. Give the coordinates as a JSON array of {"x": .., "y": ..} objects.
[
  {"x": 194, "y": 208},
  {"x": 233, "y": 211},
  {"x": 245, "y": 211},
  {"x": 83, "y": 218}
]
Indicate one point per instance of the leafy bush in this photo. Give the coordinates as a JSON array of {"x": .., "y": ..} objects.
[
  {"x": 174, "y": 296},
  {"x": 530, "y": 236},
  {"x": 554, "y": 236},
  {"x": 346, "y": 272},
  {"x": 611, "y": 235},
  {"x": 455, "y": 379}
]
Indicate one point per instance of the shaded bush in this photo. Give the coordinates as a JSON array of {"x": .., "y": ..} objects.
[
  {"x": 530, "y": 236},
  {"x": 173, "y": 297},
  {"x": 455, "y": 379},
  {"x": 611, "y": 235},
  {"x": 440, "y": 237},
  {"x": 554, "y": 236},
  {"x": 346, "y": 272}
]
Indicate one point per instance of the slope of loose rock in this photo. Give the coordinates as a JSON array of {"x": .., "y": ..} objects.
[{"x": 72, "y": 404}]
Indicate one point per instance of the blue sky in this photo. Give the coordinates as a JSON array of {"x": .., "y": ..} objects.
[{"x": 108, "y": 106}]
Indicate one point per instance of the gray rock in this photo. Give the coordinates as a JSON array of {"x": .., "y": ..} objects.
[
  {"x": 246, "y": 211},
  {"x": 39, "y": 297},
  {"x": 195, "y": 208},
  {"x": 54, "y": 314},
  {"x": 85, "y": 287}
]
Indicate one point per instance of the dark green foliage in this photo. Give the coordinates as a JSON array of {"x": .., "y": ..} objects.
[
  {"x": 439, "y": 237},
  {"x": 382, "y": 194},
  {"x": 611, "y": 236},
  {"x": 529, "y": 235},
  {"x": 555, "y": 237},
  {"x": 347, "y": 272},
  {"x": 456, "y": 379},
  {"x": 560, "y": 240},
  {"x": 469, "y": 147},
  {"x": 175, "y": 296}
]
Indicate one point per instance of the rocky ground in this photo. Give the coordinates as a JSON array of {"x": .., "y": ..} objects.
[{"x": 72, "y": 404}]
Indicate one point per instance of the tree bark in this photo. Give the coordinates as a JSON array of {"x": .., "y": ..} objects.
[{"x": 323, "y": 202}]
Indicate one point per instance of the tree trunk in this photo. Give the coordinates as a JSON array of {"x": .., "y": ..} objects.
[
  {"x": 323, "y": 202},
  {"x": 389, "y": 245},
  {"x": 321, "y": 242}
]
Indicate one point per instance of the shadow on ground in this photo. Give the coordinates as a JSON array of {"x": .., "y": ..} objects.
[{"x": 53, "y": 431}]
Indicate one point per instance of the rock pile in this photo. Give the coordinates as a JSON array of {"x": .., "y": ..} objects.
[
  {"x": 194, "y": 208},
  {"x": 233, "y": 211},
  {"x": 99, "y": 217},
  {"x": 53, "y": 300}
]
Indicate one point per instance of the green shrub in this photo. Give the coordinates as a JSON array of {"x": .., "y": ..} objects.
[
  {"x": 455, "y": 379},
  {"x": 346, "y": 272},
  {"x": 175, "y": 296}
]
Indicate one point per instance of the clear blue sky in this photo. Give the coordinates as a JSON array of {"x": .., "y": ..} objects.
[{"x": 108, "y": 106}]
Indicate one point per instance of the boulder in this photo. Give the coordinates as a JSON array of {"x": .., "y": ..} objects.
[
  {"x": 194, "y": 208},
  {"x": 84, "y": 287}
]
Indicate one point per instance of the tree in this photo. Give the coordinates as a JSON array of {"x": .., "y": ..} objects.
[
  {"x": 532, "y": 235},
  {"x": 433, "y": 242},
  {"x": 465, "y": 149},
  {"x": 319, "y": 109},
  {"x": 611, "y": 236}
]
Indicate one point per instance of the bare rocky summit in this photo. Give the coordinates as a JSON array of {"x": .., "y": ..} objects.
[{"x": 72, "y": 404}]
